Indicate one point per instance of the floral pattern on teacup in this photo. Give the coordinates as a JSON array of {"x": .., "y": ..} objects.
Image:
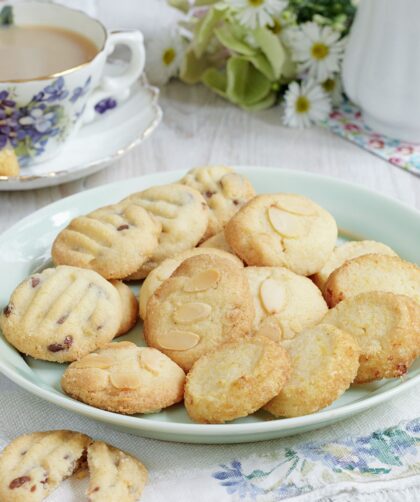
[{"x": 28, "y": 128}]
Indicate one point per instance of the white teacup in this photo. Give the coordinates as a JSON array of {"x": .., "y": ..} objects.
[{"x": 37, "y": 116}]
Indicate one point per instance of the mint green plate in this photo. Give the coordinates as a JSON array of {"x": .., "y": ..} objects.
[{"x": 360, "y": 213}]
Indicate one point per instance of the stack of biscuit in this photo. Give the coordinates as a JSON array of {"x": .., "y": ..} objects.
[{"x": 246, "y": 300}]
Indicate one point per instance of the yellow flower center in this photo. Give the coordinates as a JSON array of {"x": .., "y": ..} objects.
[
  {"x": 329, "y": 85},
  {"x": 255, "y": 3},
  {"x": 302, "y": 104},
  {"x": 168, "y": 56},
  {"x": 277, "y": 27},
  {"x": 320, "y": 50}
]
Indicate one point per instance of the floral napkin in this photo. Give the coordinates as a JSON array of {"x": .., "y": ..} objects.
[{"x": 346, "y": 120}]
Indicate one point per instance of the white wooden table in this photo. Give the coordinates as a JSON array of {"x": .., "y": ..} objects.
[{"x": 199, "y": 128}]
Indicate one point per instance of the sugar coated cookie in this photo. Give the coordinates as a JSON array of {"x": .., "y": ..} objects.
[
  {"x": 33, "y": 465},
  {"x": 283, "y": 230},
  {"x": 124, "y": 378},
  {"x": 280, "y": 296},
  {"x": 217, "y": 241},
  {"x": 115, "y": 476},
  {"x": 113, "y": 240},
  {"x": 373, "y": 272},
  {"x": 129, "y": 307},
  {"x": 165, "y": 269},
  {"x": 205, "y": 303},
  {"x": 387, "y": 328},
  {"x": 61, "y": 314},
  {"x": 346, "y": 252},
  {"x": 225, "y": 192},
  {"x": 183, "y": 214},
  {"x": 325, "y": 361},
  {"x": 235, "y": 380}
]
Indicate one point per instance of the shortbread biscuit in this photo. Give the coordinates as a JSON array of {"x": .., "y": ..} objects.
[
  {"x": 217, "y": 241},
  {"x": 33, "y": 465},
  {"x": 325, "y": 360},
  {"x": 167, "y": 267},
  {"x": 280, "y": 295},
  {"x": 183, "y": 214},
  {"x": 373, "y": 272},
  {"x": 387, "y": 328},
  {"x": 235, "y": 380},
  {"x": 115, "y": 476},
  {"x": 224, "y": 190},
  {"x": 283, "y": 230},
  {"x": 129, "y": 307},
  {"x": 124, "y": 378},
  {"x": 113, "y": 240},
  {"x": 348, "y": 251},
  {"x": 61, "y": 314},
  {"x": 205, "y": 303}
]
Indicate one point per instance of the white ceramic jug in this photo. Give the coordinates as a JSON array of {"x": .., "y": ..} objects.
[{"x": 381, "y": 68}]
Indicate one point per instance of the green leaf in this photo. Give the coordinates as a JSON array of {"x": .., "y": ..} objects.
[
  {"x": 245, "y": 84},
  {"x": 6, "y": 16},
  {"x": 272, "y": 48},
  {"x": 289, "y": 69},
  {"x": 262, "y": 64},
  {"x": 192, "y": 67},
  {"x": 204, "y": 30},
  {"x": 215, "y": 80},
  {"x": 227, "y": 38}
]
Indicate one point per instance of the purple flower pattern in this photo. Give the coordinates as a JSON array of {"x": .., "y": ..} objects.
[{"x": 105, "y": 104}]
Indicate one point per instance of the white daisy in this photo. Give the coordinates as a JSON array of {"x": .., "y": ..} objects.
[
  {"x": 317, "y": 50},
  {"x": 163, "y": 57},
  {"x": 256, "y": 13},
  {"x": 334, "y": 88},
  {"x": 305, "y": 104}
]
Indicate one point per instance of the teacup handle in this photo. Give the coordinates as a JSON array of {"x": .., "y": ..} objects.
[{"x": 118, "y": 86}]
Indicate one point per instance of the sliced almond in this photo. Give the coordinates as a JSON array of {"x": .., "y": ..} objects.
[
  {"x": 202, "y": 281},
  {"x": 178, "y": 340},
  {"x": 296, "y": 205},
  {"x": 191, "y": 312},
  {"x": 150, "y": 359},
  {"x": 271, "y": 329},
  {"x": 273, "y": 296},
  {"x": 286, "y": 224},
  {"x": 95, "y": 361},
  {"x": 125, "y": 379}
]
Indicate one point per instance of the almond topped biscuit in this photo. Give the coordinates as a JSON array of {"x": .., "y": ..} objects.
[
  {"x": 224, "y": 190},
  {"x": 235, "y": 379},
  {"x": 348, "y": 251},
  {"x": 283, "y": 230},
  {"x": 324, "y": 362},
  {"x": 33, "y": 465},
  {"x": 373, "y": 272},
  {"x": 163, "y": 271},
  {"x": 183, "y": 214},
  {"x": 284, "y": 300},
  {"x": 124, "y": 378},
  {"x": 113, "y": 240},
  {"x": 387, "y": 328},
  {"x": 217, "y": 241},
  {"x": 205, "y": 303},
  {"x": 61, "y": 314}
]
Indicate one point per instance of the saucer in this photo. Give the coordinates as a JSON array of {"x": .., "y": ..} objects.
[{"x": 121, "y": 127}]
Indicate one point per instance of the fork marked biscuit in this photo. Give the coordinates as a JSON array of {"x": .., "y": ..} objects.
[
  {"x": 281, "y": 297},
  {"x": 283, "y": 230},
  {"x": 373, "y": 272},
  {"x": 387, "y": 328},
  {"x": 225, "y": 192},
  {"x": 129, "y": 307},
  {"x": 348, "y": 251},
  {"x": 183, "y": 214},
  {"x": 325, "y": 360},
  {"x": 114, "y": 474},
  {"x": 235, "y": 379},
  {"x": 61, "y": 314},
  {"x": 124, "y": 378},
  {"x": 113, "y": 240},
  {"x": 33, "y": 465},
  {"x": 205, "y": 303},
  {"x": 165, "y": 269}
]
